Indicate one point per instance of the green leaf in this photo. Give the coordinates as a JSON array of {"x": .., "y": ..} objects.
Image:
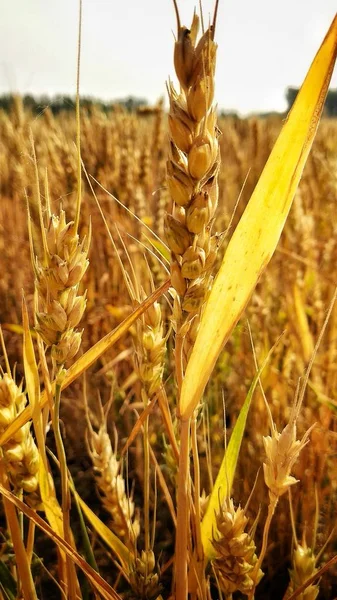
[
  {"x": 124, "y": 555},
  {"x": 7, "y": 582},
  {"x": 224, "y": 480},
  {"x": 225, "y": 477}
]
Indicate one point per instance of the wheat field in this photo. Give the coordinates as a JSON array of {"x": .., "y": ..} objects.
[{"x": 107, "y": 477}]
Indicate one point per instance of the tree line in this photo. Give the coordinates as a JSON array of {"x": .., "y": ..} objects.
[{"x": 60, "y": 103}]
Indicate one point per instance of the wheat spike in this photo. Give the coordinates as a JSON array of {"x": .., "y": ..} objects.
[
  {"x": 235, "y": 550},
  {"x": 20, "y": 453},
  {"x": 192, "y": 171},
  {"x": 112, "y": 485}
]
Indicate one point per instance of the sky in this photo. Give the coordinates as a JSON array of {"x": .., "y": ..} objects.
[{"x": 127, "y": 47}]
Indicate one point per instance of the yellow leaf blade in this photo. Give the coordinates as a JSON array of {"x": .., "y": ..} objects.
[
  {"x": 97, "y": 581},
  {"x": 256, "y": 236},
  {"x": 31, "y": 376},
  {"x": 16, "y": 328},
  {"x": 22, "y": 562},
  {"x": 50, "y": 504},
  {"x": 111, "y": 540}
]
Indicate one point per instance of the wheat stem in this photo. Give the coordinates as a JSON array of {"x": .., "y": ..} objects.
[
  {"x": 197, "y": 491},
  {"x": 22, "y": 562},
  {"x": 271, "y": 510},
  {"x": 78, "y": 125},
  {"x": 71, "y": 574},
  {"x": 146, "y": 483},
  {"x": 181, "y": 552},
  {"x": 178, "y": 356},
  {"x": 167, "y": 418}
]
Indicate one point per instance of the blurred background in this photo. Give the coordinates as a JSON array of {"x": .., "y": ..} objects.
[{"x": 264, "y": 47}]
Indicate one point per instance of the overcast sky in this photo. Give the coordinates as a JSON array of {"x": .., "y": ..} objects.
[{"x": 127, "y": 46}]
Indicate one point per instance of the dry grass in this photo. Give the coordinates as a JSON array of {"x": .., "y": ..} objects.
[
  {"x": 136, "y": 478},
  {"x": 291, "y": 300}
]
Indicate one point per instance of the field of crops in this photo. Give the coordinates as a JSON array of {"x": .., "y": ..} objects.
[{"x": 96, "y": 464}]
